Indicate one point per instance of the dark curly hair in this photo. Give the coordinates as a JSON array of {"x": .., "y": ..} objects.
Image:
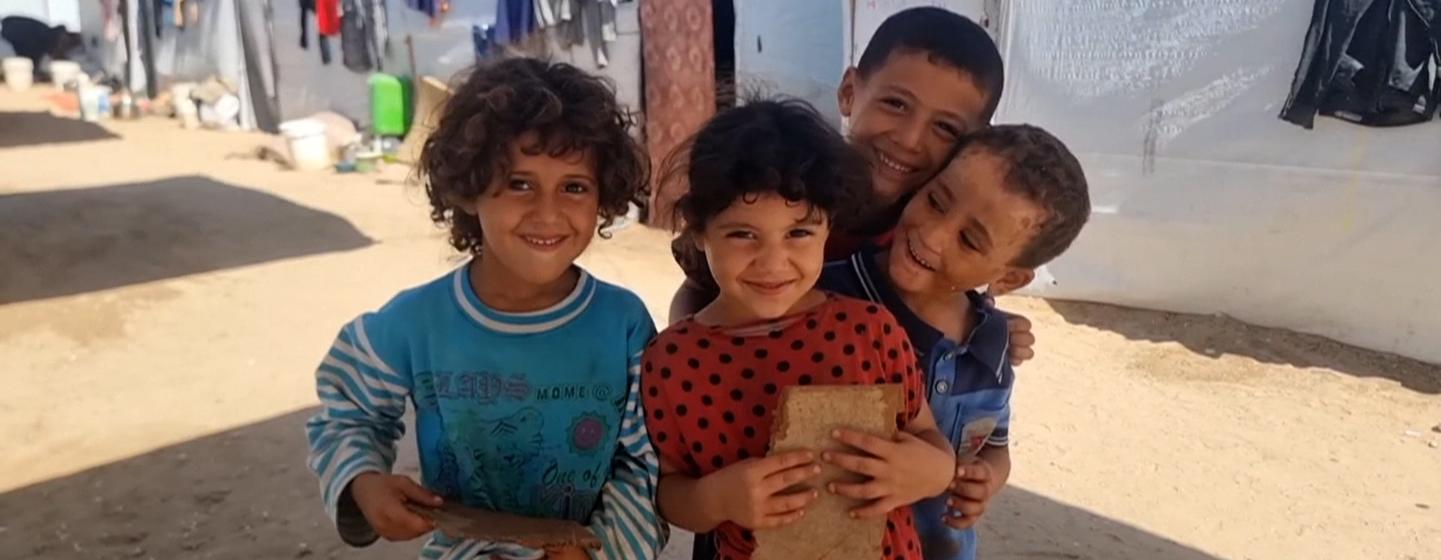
[
  {"x": 1040, "y": 168},
  {"x": 775, "y": 145},
  {"x": 568, "y": 110}
]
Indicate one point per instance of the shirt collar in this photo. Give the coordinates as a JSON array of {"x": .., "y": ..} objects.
[{"x": 989, "y": 341}]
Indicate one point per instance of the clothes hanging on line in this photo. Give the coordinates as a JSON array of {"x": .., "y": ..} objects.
[
  {"x": 1371, "y": 62},
  {"x": 327, "y": 17},
  {"x": 514, "y": 20},
  {"x": 322, "y": 43}
]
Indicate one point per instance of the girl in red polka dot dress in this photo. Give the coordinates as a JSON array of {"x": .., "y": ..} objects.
[{"x": 766, "y": 180}]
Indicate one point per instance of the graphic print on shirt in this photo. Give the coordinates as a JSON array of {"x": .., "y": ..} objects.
[{"x": 502, "y": 451}]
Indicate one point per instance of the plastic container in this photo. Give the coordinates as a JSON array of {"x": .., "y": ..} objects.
[
  {"x": 185, "y": 108},
  {"x": 390, "y": 105},
  {"x": 309, "y": 148},
  {"x": 64, "y": 73},
  {"x": 19, "y": 73},
  {"x": 94, "y": 103}
]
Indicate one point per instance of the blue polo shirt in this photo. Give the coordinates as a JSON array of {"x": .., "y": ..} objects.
[{"x": 968, "y": 384}]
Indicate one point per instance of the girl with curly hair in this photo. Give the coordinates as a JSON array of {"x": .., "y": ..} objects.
[
  {"x": 522, "y": 368},
  {"x": 767, "y": 182}
]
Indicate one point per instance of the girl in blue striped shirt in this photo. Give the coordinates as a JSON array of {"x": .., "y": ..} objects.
[{"x": 520, "y": 366}]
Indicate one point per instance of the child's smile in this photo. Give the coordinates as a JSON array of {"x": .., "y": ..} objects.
[{"x": 765, "y": 254}]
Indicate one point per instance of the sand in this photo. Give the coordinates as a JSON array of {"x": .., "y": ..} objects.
[{"x": 164, "y": 298}]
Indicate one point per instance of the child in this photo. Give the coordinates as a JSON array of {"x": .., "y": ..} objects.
[
  {"x": 928, "y": 77},
  {"x": 766, "y": 181},
  {"x": 529, "y": 160},
  {"x": 1011, "y": 200}
]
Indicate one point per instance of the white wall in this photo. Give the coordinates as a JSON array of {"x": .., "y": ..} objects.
[{"x": 1204, "y": 200}]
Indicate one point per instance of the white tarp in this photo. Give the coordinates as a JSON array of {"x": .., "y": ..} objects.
[
  {"x": 1204, "y": 200},
  {"x": 793, "y": 47}
]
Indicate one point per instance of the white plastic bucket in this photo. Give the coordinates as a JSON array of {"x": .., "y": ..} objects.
[
  {"x": 309, "y": 148},
  {"x": 94, "y": 103},
  {"x": 19, "y": 73},
  {"x": 185, "y": 108},
  {"x": 64, "y": 72}
]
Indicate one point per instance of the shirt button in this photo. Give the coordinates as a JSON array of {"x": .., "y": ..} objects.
[{"x": 942, "y": 387}]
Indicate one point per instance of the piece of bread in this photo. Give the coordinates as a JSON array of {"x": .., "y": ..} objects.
[
  {"x": 807, "y": 416},
  {"x": 461, "y": 522}
]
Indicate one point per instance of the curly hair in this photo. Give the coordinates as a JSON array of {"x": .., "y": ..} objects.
[
  {"x": 780, "y": 146},
  {"x": 568, "y": 110},
  {"x": 1040, "y": 168}
]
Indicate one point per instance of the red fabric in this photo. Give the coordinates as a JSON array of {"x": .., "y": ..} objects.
[
  {"x": 710, "y": 393},
  {"x": 327, "y": 17}
]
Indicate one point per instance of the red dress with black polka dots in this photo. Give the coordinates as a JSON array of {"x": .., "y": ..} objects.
[{"x": 710, "y": 393}]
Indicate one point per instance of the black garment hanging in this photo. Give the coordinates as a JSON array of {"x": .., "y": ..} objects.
[
  {"x": 307, "y": 9},
  {"x": 355, "y": 37},
  {"x": 1369, "y": 62}
]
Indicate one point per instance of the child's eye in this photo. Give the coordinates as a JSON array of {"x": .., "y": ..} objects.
[
  {"x": 969, "y": 243},
  {"x": 520, "y": 185},
  {"x": 800, "y": 233},
  {"x": 935, "y": 203},
  {"x": 894, "y": 103},
  {"x": 740, "y": 235},
  {"x": 949, "y": 130},
  {"x": 576, "y": 187}
]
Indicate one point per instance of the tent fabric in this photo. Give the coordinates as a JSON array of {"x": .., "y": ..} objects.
[
  {"x": 1204, "y": 202},
  {"x": 679, "y": 70},
  {"x": 793, "y": 47}
]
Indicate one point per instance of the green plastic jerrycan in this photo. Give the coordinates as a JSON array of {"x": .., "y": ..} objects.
[{"x": 391, "y": 107}]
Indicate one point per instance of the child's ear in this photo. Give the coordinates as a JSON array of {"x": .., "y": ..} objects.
[
  {"x": 846, "y": 94},
  {"x": 1014, "y": 279}
]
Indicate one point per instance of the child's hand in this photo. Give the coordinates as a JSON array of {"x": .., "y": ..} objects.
[
  {"x": 971, "y": 492},
  {"x": 382, "y": 498},
  {"x": 750, "y": 493},
  {"x": 566, "y": 553},
  {"x": 902, "y": 471},
  {"x": 1023, "y": 341}
]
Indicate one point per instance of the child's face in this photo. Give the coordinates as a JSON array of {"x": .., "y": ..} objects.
[
  {"x": 541, "y": 216},
  {"x": 765, "y": 254},
  {"x": 963, "y": 231},
  {"x": 906, "y": 116}
]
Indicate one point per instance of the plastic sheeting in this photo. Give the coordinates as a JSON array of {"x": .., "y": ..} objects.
[{"x": 1206, "y": 202}]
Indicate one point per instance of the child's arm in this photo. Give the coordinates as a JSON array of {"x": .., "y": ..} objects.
[
  {"x": 627, "y": 523},
  {"x": 353, "y": 437},
  {"x": 919, "y": 463}
]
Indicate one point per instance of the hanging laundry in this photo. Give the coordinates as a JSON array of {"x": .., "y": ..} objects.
[
  {"x": 322, "y": 43},
  {"x": 355, "y": 38},
  {"x": 1371, "y": 62},
  {"x": 111, "y": 23},
  {"x": 379, "y": 31},
  {"x": 327, "y": 17},
  {"x": 307, "y": 8},
  {"x": 598, "y": 16},
  {"x": 514, "y": 20},
  {"x": 432, "y": 8},
  {"x": 483, "y": 38}
]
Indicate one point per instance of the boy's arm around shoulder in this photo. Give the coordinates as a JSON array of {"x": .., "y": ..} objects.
[
  {"x": 362, "y": 386},
  {"x": 627, "y": 522}
]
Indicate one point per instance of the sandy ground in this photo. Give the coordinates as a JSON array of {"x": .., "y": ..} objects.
[{"x": 164, "y": 299}]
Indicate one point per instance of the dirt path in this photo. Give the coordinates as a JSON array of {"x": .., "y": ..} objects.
[{"x": 164, "y": 299}]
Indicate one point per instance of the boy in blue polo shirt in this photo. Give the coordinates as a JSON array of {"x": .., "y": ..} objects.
[{"x": 1012, "y": 199}]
